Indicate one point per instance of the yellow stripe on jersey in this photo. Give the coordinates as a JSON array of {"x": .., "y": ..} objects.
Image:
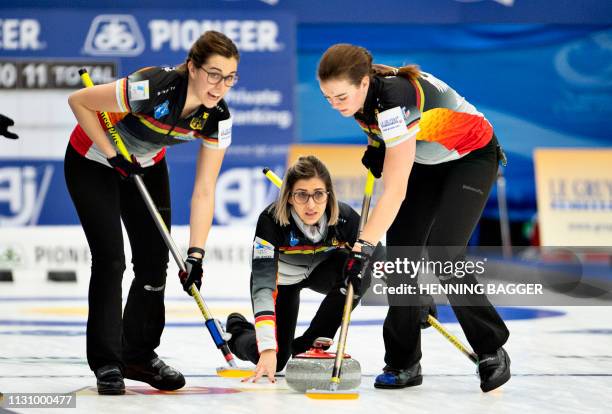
[
  {"x": 120, "y": 86},
  {"x": 155, "y": 128},
  {"x": 421, "y": 95},
  {"x": 308, "y": 251}
]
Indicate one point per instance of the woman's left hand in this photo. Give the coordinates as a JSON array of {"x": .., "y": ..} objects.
[{"x": 266, "y": 366}]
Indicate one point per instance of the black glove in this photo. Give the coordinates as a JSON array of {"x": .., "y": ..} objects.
[
  {"x": 125, "y": 168},
  {"x": 193, "y": 275},
  {"x": 428, "y": 307},
  {"x": 6, "y": 122},
  {"x": 354, "y": 267},
  {"x": 374, "y": 159}
]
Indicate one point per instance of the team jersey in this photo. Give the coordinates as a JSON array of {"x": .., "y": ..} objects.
[
  {"x": 283, "y": 255},
  {"x": 151, "y": 101},
  {"x": 445, "y": 125}
]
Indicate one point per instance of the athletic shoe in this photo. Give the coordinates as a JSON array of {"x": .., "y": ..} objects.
[
  {"x": 110, "y": 380},
  {"x": 235, "y": 325},
  {"x": 399, "y": 378},
  {"x": 157, "y": 374},
  {"x": 494, "y": 369}
]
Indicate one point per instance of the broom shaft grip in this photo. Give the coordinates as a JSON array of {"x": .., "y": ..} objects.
[{"x": 348, "y": 303}]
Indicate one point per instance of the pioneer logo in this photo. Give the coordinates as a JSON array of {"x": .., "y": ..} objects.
[{"x": 114, "y": 35}]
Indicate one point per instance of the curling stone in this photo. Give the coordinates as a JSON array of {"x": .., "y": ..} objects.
[{"x": 313, "y": 369}]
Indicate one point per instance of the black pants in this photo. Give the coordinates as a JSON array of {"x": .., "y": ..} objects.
[
  {"x": 442, "y": 207},
  {"x": 326, "y": 278},
  {"x": 102, "y": 200}
]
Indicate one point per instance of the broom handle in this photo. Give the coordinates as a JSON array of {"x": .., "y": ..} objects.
[
  {"x": 452, "y": 339},
  {"x": 348, "y": 303}
]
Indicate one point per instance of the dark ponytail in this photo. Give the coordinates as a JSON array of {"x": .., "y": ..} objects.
[{"x": 408, "y": 71}]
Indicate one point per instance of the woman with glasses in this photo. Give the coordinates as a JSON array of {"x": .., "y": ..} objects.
[
  {"x": 152, "y": 108},
  {"x": 438, "y": 157},
  {"x": 301, "y": 241}
]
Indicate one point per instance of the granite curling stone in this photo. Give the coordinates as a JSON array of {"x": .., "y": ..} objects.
[{"x": 313, "y": 369}]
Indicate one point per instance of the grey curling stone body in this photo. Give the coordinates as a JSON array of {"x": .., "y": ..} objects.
[{"x": 313, "y": 369}]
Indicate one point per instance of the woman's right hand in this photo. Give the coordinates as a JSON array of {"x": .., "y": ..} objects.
[
  {"x": 124, "y": 167},
  {"x": 266, "y": 366}
]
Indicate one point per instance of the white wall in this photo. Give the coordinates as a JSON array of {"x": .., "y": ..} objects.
[
  {"x": 43, "y": 121},
  {"x": 32, "y": 251}
]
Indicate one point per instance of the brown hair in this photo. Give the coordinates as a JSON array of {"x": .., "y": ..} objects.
[
  {"x": 354, "y": 62},
  {"x": 208, "y": 44},
  {"x": 304, "y": 168}
]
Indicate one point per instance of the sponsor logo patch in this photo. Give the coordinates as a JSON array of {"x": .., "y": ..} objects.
[
  {"x": 162, "y": 110},
  {"x": 392, "y": 123},
  {"x": 262, "y": 249},
  {"x": 293, "y": 241},
  {"x": 225, "y": 133},
  {"x": 139, "y": 91}
]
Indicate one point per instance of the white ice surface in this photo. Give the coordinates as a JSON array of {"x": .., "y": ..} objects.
[{"x": 559, "y": 364}]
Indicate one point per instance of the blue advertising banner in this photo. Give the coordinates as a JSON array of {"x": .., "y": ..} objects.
[
  {"x": 391, "y": 11},
  {"x": 262, "y": 103},
  {"x": 27, "y": 192}
]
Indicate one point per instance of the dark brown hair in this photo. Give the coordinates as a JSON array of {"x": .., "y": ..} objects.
[
  {"x": 306, "y": 167},
  {"x": 354, "y": 62},
  {"x": 208, "y": 44}
]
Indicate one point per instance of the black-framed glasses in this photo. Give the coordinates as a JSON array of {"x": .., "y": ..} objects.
[
  {"x": 302, "y": 197},
  {"x": 214, "y": 78}
]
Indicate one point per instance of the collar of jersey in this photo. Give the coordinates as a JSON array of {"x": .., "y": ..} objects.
[{"x": 320, "y": 228}]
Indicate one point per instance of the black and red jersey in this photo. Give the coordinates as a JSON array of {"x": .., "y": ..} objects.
[
  {"x": 445, "y": 125},
  {"x": 151, "y": 101},
  {"x": 284, "y": 255}
]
